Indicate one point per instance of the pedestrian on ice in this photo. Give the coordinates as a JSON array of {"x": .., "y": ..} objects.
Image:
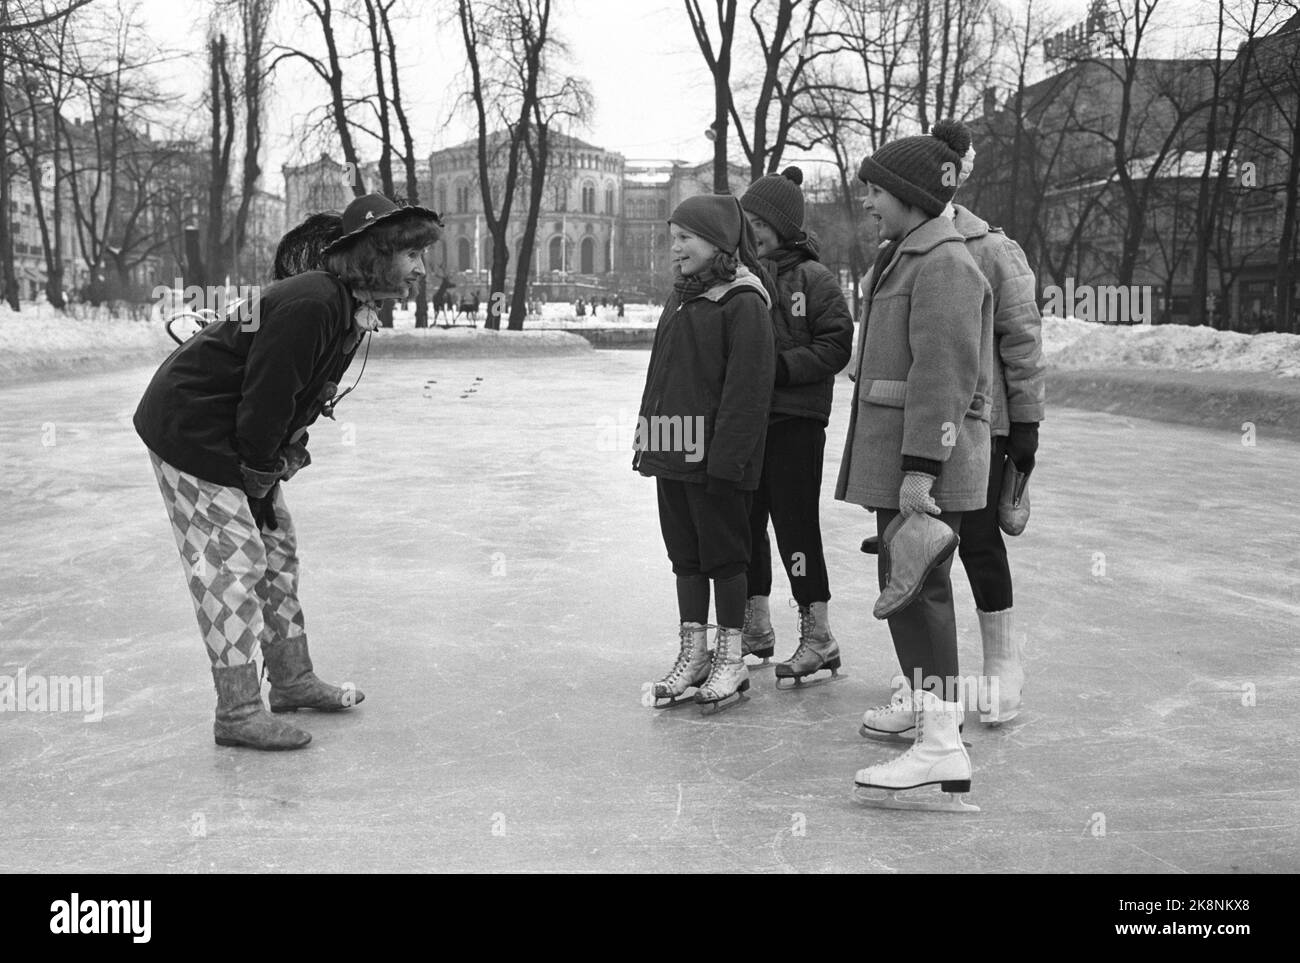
[
  {"x": 700, "y": 433},
  {"x": 814, "y": 338},
  {"x": 225, "y": 420},
  {"x": 918, "y": 436}
]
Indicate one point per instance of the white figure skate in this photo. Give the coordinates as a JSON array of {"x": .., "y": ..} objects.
[
  {"x": 689, "y": 671},
  {"x": 728, "y": 678},
  {"x": 896, "y": 720},
  {"x": 817, "y": 651},
  {"x": 937, "y": 758}
]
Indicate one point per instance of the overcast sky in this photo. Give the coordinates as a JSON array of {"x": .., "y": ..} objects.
[{"x": 653, "y": 92}]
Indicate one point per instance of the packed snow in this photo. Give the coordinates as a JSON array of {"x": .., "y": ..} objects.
[{"x": 41, "y": 340}]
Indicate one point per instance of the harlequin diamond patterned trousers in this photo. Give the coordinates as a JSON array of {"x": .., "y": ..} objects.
[{"x": 244, "y": 581}]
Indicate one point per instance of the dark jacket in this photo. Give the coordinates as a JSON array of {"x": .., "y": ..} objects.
[
  {"x": 814, "y": 332},
  {"x": 708, "y": 387},
  {"x": 229, "y": 396}
]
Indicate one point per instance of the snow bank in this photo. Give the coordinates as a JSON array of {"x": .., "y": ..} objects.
[
  {"x": 1069, "y": 343},
  {"x": 42, "y": 342}
]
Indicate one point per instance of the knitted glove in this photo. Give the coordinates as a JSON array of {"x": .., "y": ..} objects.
[
  {"x": 719, "y": 486},
  {"x": 263, "y": 510},
  {"x": 1022, "y": 445},
  {"x": 914, "y": 494}
]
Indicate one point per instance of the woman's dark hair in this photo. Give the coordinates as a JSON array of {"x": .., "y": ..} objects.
[
  {"x": 364, "y": 262},
  {"x": 301, "y": 248}
]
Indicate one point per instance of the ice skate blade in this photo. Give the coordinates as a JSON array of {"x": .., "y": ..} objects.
[
  {"x": 674, "y": 702},
  {"x": 880, "y": 735},
  {"x": 722, "y": 705},
  {"x": 915, "y": 798},
  {"x": 808, "y": 681}
]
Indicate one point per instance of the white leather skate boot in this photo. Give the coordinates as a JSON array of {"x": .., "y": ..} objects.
[
  {"x": 1004, "y": 676},
  {"x": 937, "y": 758},
  {"x": 689, "y": 671},
  {"x": 896, "y": 720},
  {"x": 729, "y": 676},
  {"x": 758, "y": 637},
  {"x": 817, "y": 649}
]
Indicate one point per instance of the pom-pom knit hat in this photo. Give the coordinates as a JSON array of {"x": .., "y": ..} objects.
[
  {"x": 922, "y": 171},
  {"x": 778, "y": 200}
]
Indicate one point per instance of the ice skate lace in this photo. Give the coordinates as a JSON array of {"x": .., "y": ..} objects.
[{"x": 685, "y": 654}]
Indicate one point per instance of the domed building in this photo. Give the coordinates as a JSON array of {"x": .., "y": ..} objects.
[{"x": 576, "y": 244}]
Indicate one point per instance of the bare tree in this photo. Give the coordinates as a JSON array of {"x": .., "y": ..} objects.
[{"x": 719, "y": 63}]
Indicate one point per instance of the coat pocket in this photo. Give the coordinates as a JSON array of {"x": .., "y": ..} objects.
[
  {"x": 889, "y": 394},
  {"x": 981, "y": 407}
]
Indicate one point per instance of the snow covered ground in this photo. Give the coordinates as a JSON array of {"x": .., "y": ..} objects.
[{"x": 40, "y": 341}]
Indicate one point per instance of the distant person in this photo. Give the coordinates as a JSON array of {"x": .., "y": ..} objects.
[
  {"x": 619, "y": 305},
  {"x": 225, "y": 420}
]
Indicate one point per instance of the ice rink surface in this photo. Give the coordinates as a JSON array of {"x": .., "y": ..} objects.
[{"x": 487, "y": 568}]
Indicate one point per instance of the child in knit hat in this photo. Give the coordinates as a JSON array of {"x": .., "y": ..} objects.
[
  {"x": 918, "y": 441},
  {"x": 700, "y": 433},
  {"x": 814, "y": 335}
]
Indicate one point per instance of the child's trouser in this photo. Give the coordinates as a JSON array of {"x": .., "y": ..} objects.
[
  {"x": 925, "y": 632},
  {"x": 982, "y": 550},
  {"x": 790, "y": 493},
  {"x": 243, "y": 580}
]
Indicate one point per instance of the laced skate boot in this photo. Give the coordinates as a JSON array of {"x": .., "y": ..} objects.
[
  {"x": 1004, "y": 676},
  {"x": 242, "y": 720},
  {"x": 294, "y": 685},
  {"x": 817, "y": 649},
  {"x": 689, "y": 671},
  {"x": 937, "y": 757},
  {"x": 728, "y": 677},
  {"x": 896, "y": 720},
  {"x": 757, "y": 637}
]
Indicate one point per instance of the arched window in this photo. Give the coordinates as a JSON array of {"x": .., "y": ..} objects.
[
  {"x": 442, "y": 197},
  {"x": 462, "y": 197},
  {"x": 609, "y": 198},
  {"x": 609, "y": 255},
  {"x": 561, "y": 196},
  {"x": 663, "y": 208},
  {"x": 557, "y": 253},
  {"x": 464, "y": 254},
  {"x": 588, "y": 255},
  {"x": 588, "y": 197}
]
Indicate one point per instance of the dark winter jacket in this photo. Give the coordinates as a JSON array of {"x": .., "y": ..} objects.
[
  {"x": 229, "y": 396},
  {"x": 814, "y": 332},
  {"x": 708, "y": 387},
  {"x": 922, "y": 390},
  {"x": 1018, "y": 382}
]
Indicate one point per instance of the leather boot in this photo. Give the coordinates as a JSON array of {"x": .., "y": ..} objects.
[
  {"x": 294, "y": 685},
  {"x": 913, "y": 545},
  {"x": 242, "y": 720}
]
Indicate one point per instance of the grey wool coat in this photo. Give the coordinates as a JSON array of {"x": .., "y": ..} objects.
[
  {"x": 924, "y": 373},
  {"x": 1019, "y": 392}
]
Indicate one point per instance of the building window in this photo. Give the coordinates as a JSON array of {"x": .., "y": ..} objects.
[
  {"x": 557, "y": 254},
  {"x": 663, "y": 208},
  {"x": 464, "y": 254},
  {"x": 442, "y": 198},
  {"x": 561, "y": 196},
  {"x": 588, "y": 255},
  {"x": 609, "y": 200},
  {"x": 462, "y": 198},
  {"x": 588, "y": 198}
]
